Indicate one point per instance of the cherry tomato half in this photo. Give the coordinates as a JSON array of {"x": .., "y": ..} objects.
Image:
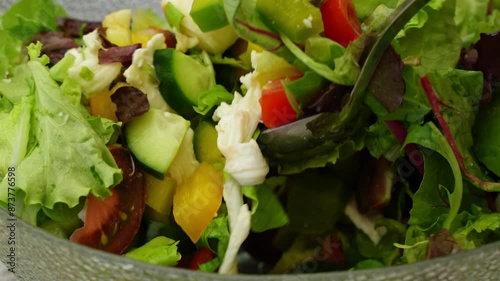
[
  {"x": 276, "y": 109},
  {"x": 112, "y": 223},
  {"x": 340, "y": 21},
  {"x": 201, "y": 256}
]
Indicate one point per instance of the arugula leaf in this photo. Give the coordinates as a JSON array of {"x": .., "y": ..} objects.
[
  {"x": 425, "y": 201},
  {"x": 267, "y": 211},
  {"x": 70, "y": 159}
]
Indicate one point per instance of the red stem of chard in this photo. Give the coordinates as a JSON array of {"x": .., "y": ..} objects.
[
  {"x": 436, "y": 108},
  {"x": 411, "y": 149}
]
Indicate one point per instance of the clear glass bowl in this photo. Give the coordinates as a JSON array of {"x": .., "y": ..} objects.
[{"x": 42, "y": 256}]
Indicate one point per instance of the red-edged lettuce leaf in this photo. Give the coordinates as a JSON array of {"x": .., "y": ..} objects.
[{"x": 454, "y": 97}]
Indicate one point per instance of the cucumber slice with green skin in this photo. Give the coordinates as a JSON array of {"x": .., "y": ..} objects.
[
  {"x": 154, "y": 138},
  {"x": 209, "y": 14},
  {"x": 205, "y": 143},
  {"x": 182, "y": 80},
  {"x": 299, "y": 21}
]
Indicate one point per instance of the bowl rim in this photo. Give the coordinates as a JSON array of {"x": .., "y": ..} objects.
[{"x": 166, "y": 270}]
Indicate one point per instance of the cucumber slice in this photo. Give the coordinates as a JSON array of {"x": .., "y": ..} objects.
[
  {"x": 209, "y": 14},
  {"x": 299, "y": 21},
  {"x": 154, "y": 138},
  {"x": 205, "y": 143},
  {"x": 182, "y": 80}
]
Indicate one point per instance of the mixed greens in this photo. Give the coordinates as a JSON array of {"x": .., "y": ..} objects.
[{"x": 249, "y": 135}]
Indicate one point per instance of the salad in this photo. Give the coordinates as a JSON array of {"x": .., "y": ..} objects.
[{"x": 225, "y": 131}]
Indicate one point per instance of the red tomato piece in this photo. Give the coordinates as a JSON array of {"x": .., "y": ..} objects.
[
  {"x": 340, "y": 21},
  {"x": 112, "y": 223},
  {"x": 276, "y": 109},
  {"x": 201, "y": 256}
]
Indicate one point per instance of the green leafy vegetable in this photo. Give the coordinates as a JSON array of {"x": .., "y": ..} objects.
[
  {"x": 216, "y": 238},
  {"x": 438, "y": 30},
  {"x": 160, "y": 250},
  {"x": 212, "y": 98},
  {"x": 21, "y": 22},
  {"x": 487, "y": 136},
  {"x": 267, "y": 211},
  {"x": 69, "y": 159},
  {"x": 449, "y": 186}
]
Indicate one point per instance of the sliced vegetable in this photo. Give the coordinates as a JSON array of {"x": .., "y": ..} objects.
[
  {"x": 182, "y": 80},
  {"x": 118, "y": 27},
  {"x": 276, "y": 107},
  {"x": 340, "y": 20},
  {"x": 298, "y": 21},
  {"x": 160, "y": 197},
  {"x": 197, "y": 200},
  {"x": 154, "y": 138},
  {"x": 205, "y": 143},
  {"x": 112, "y": 223},
  {"x": 201, "y": 256},
  {"x": 209, "y": 14}
]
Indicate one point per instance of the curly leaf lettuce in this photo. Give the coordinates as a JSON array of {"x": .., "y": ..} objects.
[{"x": 69, "y": 159}]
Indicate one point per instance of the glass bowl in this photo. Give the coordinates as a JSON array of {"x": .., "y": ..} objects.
[{"x": 42, "y": 256}]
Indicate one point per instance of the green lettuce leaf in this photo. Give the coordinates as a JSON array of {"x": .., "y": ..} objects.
[
  {"x": 384, "y": 250},
  {"x": 15, "y": 134},
  {"x": 21, "y": 22},
  {"x": 19, "y": 85},
  {"x": 267, "y": 211},
  {"x": 160, "y": 251},
  {"x": 364, "y": 8},
  {"x": 107, "y": 130},
  {"x": 437, "y": 43},
  {"x": 471, "y": 18},
  {"x": 5, "y": 105},
  {"x": 216, "y": 238},
  {"x": 212, "y": 98},
  {"x": 381, "y": 142},
  {"x": 487, "y": 136},
  {"x": 480, "y": 228},
  {"x": 459, "y": 93},
  {"x": 441, "y": 190},
  {"x": 70, "y": 159}
]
